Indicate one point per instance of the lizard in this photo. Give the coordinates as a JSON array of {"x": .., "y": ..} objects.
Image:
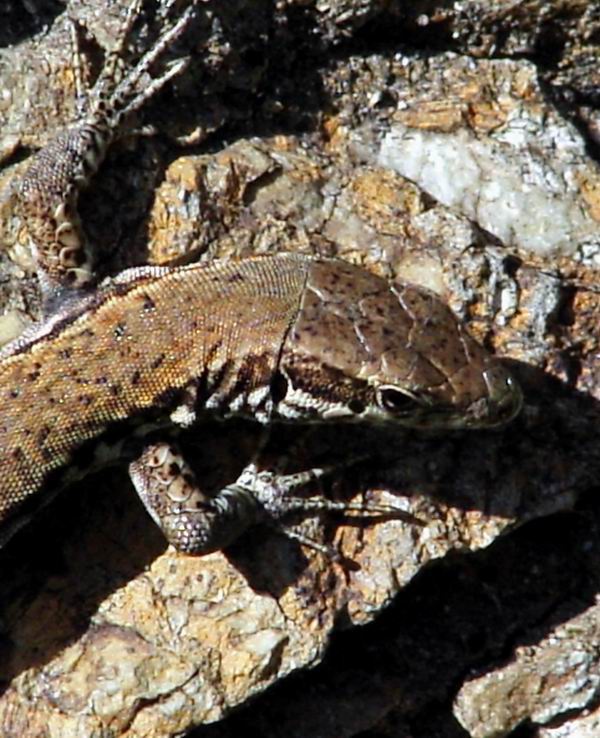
[{"x": 114, "y": 370}]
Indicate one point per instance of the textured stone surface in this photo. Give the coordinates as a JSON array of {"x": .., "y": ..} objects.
[
  {"x": 559, "y": 674},
  {"x": 392, "y": 136}
]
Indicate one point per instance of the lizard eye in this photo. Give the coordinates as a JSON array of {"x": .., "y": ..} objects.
[{"x": 394, "y": 401}]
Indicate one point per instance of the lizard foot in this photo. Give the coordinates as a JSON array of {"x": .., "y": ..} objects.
[{"x": 194, "y": 522}]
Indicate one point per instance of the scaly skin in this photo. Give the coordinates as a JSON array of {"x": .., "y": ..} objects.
[
  {"x": 48, "y": 193},
  {"x": 291, "y": 337}
]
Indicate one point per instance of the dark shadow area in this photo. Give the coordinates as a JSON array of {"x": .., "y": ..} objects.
[
  {"x": 458, "y": 615},
  {"x": 20, "y": 19},
  {"x": 577, "y": 105},
  {"x": 91, "y": 540}
]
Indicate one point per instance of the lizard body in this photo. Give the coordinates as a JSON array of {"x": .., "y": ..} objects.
[{"x": 288, "y": 337}]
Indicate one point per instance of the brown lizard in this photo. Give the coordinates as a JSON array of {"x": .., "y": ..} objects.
[{"x": 286, "y": 338}]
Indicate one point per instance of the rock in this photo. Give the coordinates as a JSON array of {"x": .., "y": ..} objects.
[{"x": 421, "y": 155}]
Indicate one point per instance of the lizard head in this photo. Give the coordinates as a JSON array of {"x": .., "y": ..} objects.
[{"x": 364, "y": 349}]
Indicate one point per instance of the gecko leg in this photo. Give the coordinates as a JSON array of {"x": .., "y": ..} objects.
[
  {"x": 49, "y": 190},
  {"x": 196, "y": 523}
]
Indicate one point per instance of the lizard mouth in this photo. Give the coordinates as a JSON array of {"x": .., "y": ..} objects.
[{"x": 498, "y": 406}]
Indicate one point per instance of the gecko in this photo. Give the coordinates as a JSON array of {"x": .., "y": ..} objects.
[{"x": 114, "y": 371}]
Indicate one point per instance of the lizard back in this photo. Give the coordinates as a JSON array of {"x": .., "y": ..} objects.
[{"x": 149, "y": 340}]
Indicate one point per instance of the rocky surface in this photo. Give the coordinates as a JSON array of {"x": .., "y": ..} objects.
[{"x": 452, "y": 144}]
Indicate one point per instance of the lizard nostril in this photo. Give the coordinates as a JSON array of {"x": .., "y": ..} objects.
[
  {"x": 505, "y": 395},
  {"x": 356, "y": 406}
]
